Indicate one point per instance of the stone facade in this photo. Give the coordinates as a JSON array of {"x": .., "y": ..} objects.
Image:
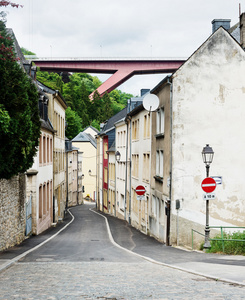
[{"x": 12, "y": 211}]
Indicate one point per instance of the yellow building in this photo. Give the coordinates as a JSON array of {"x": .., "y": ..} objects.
[{"x": 86, "y": 144}]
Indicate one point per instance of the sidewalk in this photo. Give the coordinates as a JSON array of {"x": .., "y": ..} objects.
[
  {"x": 220, "y": 267},
  {"x": 229, "y": 268},
  {"x": 13, "y": 254}
]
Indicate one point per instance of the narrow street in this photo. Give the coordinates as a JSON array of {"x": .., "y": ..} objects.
[{"x": 81, "y": 262}]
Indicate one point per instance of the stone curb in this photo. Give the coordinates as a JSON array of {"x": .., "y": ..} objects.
[
  {"x": 17, "y": 258},
  {"x": 164, "y": 264}
]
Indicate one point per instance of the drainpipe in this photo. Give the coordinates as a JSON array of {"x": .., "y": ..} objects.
[
  {"x": 126, "y": 175},
  {"x": 171, "y": 158},
  {"x": 115, "y": 196},
  {"x": 77, "y": 179},
  {"x": 67, "y": 180},
  {"x": 130, "y": 170}
]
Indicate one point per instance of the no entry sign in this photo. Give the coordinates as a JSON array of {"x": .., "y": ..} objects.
[
  {"x": 140, "y": 190},
  {"x": 208, "y": 185}
]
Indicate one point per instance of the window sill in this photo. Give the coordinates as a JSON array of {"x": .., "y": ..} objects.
[
  {"x": 159, "y": 135},
  {"x": 158, "y": 178}
]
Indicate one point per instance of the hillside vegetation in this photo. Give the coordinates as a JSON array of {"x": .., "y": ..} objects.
[{"x": 76, "y": 88}]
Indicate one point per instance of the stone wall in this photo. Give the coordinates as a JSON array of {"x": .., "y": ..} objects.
[{"x": 12, "y": 211}]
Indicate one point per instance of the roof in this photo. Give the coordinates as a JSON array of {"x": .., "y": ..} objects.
[
  {"x": 110, "y": 123},
  {"x": 235, "y": 32},
  {"x": 136, "y": 110},
  {"x": 112, "y": 148},
  {"x": 96, "y": 130},
  {"x": 84, "y": 137},
  {"x": 47, "y": 125},
  {"x": 16, "y": 45},
  {"x": 48, "y": 90}
]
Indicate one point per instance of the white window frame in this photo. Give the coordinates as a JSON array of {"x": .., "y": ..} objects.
[{"x": 160, "y": 121}]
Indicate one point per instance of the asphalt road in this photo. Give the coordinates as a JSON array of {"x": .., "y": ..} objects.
[
  {"x": 83, "y": 262},
  {"x": 86, "y": 239}
]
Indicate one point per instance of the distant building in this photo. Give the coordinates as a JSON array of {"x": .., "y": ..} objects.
[
  {"x": 56, "y": 114},
  {"x": 86, "y": 144}
]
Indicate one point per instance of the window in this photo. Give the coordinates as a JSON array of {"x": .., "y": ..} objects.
[
  {"x": 135, "y": 165},
  {"x": 159, "y": 163},
  {"x": 112, "y": 171},
  {"x": 135, "y": 130},
  {"x": 44, "y": 199},
  {"x": 146, "y": 126},
  {"x": 105, "y": 149},
  {"x": 154, "y": 206},
  {"x": 51, "y": 149},
  {"x": 105, "y": 175},
  {"x": 121, "y": 203},
  {"x": 48, "y": 151},
  {"x": 48, "y": 196},
  {"x": 44, "y": 150},
  {"x": 160, "y": 121},
  {"x": 40, "y": 201},
  {"x": 41, "y": 150},
  {"x": 146, "y": 166}
]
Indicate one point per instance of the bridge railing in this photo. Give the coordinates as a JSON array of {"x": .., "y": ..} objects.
[{"x": 35, "y": 57}]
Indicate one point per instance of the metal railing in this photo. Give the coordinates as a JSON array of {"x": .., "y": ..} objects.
[{"x": 222, "y": 239}]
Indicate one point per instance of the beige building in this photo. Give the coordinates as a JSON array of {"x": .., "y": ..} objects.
[
  {"x": 56, "y": 114},
  {"x": 120, "y": 167},
  {"x": 87, "y": 145},
  {"x": 73, "y": 176},
  {"x": 139, "y": 125},
  {"x": 159, "y": 216},
  {"x": 39, "y": 188}
]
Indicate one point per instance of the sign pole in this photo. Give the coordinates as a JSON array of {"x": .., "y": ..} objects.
[{"x": 207, "y": 229}]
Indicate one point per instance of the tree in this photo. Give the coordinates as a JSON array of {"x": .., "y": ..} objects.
[
  {"x": 19, "y": 109},
  {"x": 74, "y": 123},
  {"x": 107, "y": 107},
  {"x": 7, "y": 3},
  {"x": 26, "y": 52}
]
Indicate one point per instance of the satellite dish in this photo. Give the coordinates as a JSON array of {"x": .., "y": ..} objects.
[{"x": 151, "y": 102}]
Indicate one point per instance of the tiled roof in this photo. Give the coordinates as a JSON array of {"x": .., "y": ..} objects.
[{"x": 84, "y": 137}]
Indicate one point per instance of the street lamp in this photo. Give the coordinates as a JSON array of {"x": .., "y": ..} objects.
[
  {"x": 118, "y": 156},
  {"x": 90, "y": 173},
  {"x": 207, "y": 155}
]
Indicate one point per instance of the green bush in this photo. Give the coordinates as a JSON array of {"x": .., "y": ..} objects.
[{"x": 230, "y": 247}]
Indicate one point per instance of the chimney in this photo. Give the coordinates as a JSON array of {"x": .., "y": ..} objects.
[
  {"x": 242, "y": 30},
  {"x": 216, "y": 23},
  {"x": 144, "y": 91}
]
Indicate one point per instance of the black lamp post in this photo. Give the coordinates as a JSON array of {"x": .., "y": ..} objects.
[{"x": 207, "y": 155}]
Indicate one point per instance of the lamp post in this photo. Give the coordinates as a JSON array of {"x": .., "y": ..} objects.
[
  {"x": 207, "y": 155},
  {"x": 118, "y": 159}
]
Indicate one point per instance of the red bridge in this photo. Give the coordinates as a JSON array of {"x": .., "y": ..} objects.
[{"x": 122, "y": 69}]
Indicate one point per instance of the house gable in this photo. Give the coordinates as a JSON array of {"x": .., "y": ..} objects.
[{"x": 208, "y": 108}]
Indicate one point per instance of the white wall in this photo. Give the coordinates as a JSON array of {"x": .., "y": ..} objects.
[{"x": 208, "y": 108}]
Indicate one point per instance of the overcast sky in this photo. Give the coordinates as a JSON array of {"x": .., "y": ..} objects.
[{"x": 118, "y": 28}]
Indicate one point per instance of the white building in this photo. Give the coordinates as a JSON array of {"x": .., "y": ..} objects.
[{"x": 207, "y": 105}]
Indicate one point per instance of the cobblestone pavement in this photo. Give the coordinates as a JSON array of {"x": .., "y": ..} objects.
[{"x": 108, "y": 280}]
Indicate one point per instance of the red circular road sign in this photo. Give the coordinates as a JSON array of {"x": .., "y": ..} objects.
[
  {"x": 208, "y": 185},
  {"x": 140, "y": 190}
]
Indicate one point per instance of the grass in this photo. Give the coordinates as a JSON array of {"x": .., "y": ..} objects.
[{"x": 229, "y": 246}]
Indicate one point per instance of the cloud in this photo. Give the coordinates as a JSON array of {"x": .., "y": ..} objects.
[{"x": 117, "y": 28}]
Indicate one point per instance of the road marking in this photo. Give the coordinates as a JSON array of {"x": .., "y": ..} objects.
[{"x": 17, "y": 258}]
